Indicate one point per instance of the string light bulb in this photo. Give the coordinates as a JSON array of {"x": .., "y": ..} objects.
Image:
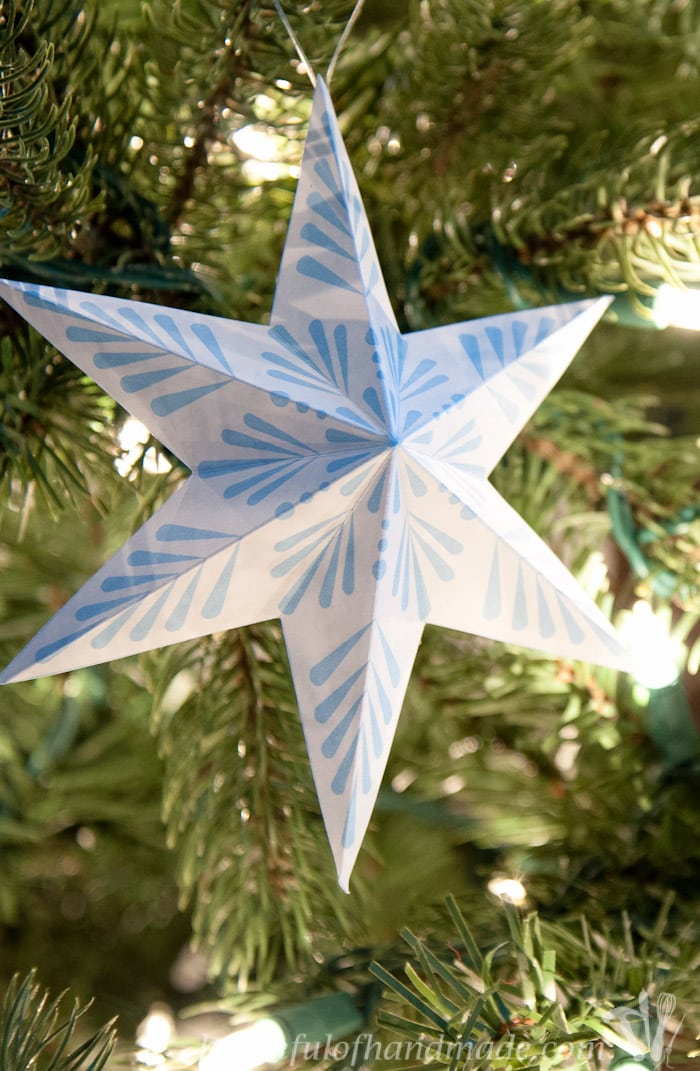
[
  {"x": 284, "y": 1034},
  {"x": 509, "y": 889},
  {"x": 656, "y": 656},
  {"x": 657, "y": 659},
  {"x": 674, "y": 307},
  {"x": 259, "y": 1043}
]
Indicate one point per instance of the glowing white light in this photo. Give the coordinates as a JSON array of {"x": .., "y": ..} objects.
[
  {"x": 155, "y": 1031},
  {"x": 258, "y": 141},
  {"x": 135, "y": 143},
  {"x": 266, "y": 151},
  {"x": 656, "y": 656},
  {"x": 509, "y": 889},
  {"x": 257, "y": 171},
  {"x": 677, "y": 308},
  {"x": 132, "y": 437},
  {"x": 253, "y": 1046}
]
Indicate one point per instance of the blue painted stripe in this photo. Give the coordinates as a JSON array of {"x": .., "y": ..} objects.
[
  {"x": 151, "y": 557},
  {"x": 119, "y": 583},
  {"x": 336, "y": 435},
  {"x": 143, "y": 380},
  {"x": 96, "y": 609},
  {"x": 171, "y": 403},
  {"x": 443, "y": 570},
  {"x": 339, "y": 782},
  {"x": 340, "y": 463},
  {"x": 328, "y": 706},
  {"x": 495, "y": 337},
  {"x": 248, "y": 442},
  {"x": 372, "y": 399},
  {"x": 391, "y": 662},
  {"x": 377, "y": 742},
  {"x": 313, "y": 234},
  {"x": 326, "y": 210},
  {"x": 422, "y": 369},
  {"x": 451, "y": 545},
  {"x": 119, "y": 360},
  {"x": 436, "y": 381},
  {"x": 31, "y": 298},
  {"x": 299, "y": 537},
  {"x": 90, "y": 334},
  {"x": 354, "y": 418},
  {"x": 138, "y": 320},
  {"x": 470, "y": 345},
  {"x": 325, "y": 173},
  {"x": 349, "y": 830},
  {"x": 104, "y": 638},
  {"x": 215, "y": 602},
  {"x": 492, "y": 604},
  {"x": 209, "y": 470},
  {"x": 261, "y": 478},
  {"x": 179, "y": 614},
  {"x": 545, "y": 328},
  {"x": 325, "y": 596},
  {"x": 289, "y": 471},
  {"x": 349, "y": 567},
  {"x": 576, "y": 633},
  {"x": 314, "y": 269},
  {"x": 325, "y": 669},
  {"x": 384, "y": 701},
  {"x": 171, "y": 533},
  {"x": 546, "y": 621},
  {"x": 264, "y": 427},
  {"x": 366, "y": 768},
  {"x": 417, "y": 485},
  {"x": 519, "y": 332},
  {"x": 340, "y": 336},
  {"x": 318, "y": 334},
  {"x": 53, "y": 648},
  {"x": 142, "y": 628},
  {"x": 170, "y": 327},
  {"x": 335, "y": 738},
  {"x": 284, "y": 337},
  {"x": 520, "y": 617},
  {"x": 205, "y": 334},
  {"x": 374, "y": 501}
]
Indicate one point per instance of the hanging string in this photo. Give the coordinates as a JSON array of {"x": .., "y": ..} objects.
[
  {"x": 296, "y": 42},
  {"x": 343, "y": 38}
]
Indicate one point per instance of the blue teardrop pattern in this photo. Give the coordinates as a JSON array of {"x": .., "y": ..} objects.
[
  {"x": 459, "y": 448},
  {"x": 320, "y": 363},
  {"x": 422, "y": 549},
  {"x": 530, "y": 601},
  {"x": 141, "y": 364},
  {"x": 326, "y": 550},
  {"x": 262, "y": 459},
  {"x": 174, "y": 575},
  {"x": 357, "y": 710}
]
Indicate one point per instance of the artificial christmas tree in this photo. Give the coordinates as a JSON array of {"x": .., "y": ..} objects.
[{"x": 510, "y": 155}]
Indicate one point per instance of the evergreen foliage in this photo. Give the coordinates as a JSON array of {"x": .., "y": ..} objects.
[
  {"x": 510, "y": 153},
  {"x": 32, "y": 1033},
  {"x": 544, "y": 996}
]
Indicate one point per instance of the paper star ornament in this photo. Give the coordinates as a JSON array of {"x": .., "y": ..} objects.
[{"x": 339, "y": 482}]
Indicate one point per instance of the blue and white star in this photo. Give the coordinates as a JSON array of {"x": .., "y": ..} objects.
[{"x": 338, "y": 482}]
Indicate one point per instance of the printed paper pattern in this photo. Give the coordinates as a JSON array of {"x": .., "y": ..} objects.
[{"x": 339, "y": 482}]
